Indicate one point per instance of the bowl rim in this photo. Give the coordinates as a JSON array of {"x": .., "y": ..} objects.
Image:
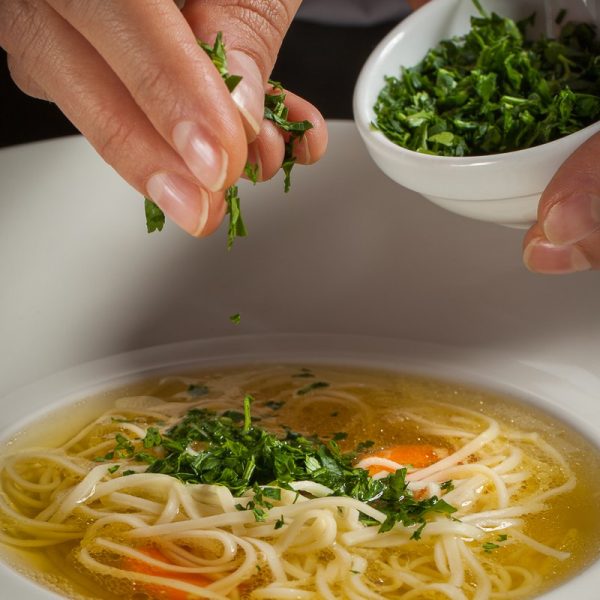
[{"x": 536, "y": 383}]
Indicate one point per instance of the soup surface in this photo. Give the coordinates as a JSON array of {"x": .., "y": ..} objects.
[{"x": 299, "y": 482}]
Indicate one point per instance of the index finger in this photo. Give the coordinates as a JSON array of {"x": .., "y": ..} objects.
[{"x": 153, "y": 50}]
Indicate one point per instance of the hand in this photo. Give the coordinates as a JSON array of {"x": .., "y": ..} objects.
[
  {"x": 566, "y": 237},
  {"x": 414, "y": 4},
  {"x": 132, "y": 78}
]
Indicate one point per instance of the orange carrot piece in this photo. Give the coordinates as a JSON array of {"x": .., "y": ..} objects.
[
  {"x": 162, "y": 592},
  {"x": 415, "y": 455}
]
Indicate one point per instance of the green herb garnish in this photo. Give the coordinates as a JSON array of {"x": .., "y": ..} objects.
[
  {"x": 279, "y": 523},
  {"x": 489, "y": 547},
  {"x": 153, "y": 438},
  {"x": 275, "y": 110},
  {"x": 305, "y": 373},
  {"x": 492, "y": 90},
  {"x": 235, "y": 453},
  {"x": 275, "y": 404},
  {"x": 312, "y": 386},
  {"x": 251, "y": 172},
  {"x": 235, "y": 318},
  {"x": 198, "y": 389},
  {"x": 217, "y": 54},
  {"x": 155, "y": 217}
]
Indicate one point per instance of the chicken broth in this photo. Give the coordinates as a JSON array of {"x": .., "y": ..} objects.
[{"x": 351, "y": 483}]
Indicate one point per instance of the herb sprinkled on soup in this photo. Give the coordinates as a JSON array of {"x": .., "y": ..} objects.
[{"x": 300, "y": 481}]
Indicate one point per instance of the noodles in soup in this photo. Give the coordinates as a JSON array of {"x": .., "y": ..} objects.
[{"x": 286, "y": 482}]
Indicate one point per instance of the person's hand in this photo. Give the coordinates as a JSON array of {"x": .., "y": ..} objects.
[
  {"x": 132, "y": 78},
  {"x": 566, "y": 237}
]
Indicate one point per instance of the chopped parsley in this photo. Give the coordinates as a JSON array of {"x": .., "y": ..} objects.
[
  {"x": 275, "y": 404},
  {"x": 236, "y": 227},
  {"x": 197, "y": 390},
  {"x": 447, "y": 486},
  {"x": 155, "y": 217},
  {"x": 218, "y": 56},
  {"x": 490, "y": 546},
  {"x": 312, "y": 386},
  {"x": 304, "y": 373},
  {"x": 153, "y": 438},
  {"x": 276, "y": 111},
  {"x": 493, "y": 90},
  {"x": 233, "y": 452},
  {"x": 251, "y": 172},
  {"x": 235, "y": 318}
]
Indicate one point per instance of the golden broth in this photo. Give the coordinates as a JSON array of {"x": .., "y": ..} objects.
[{"x": 365, "y": 405}]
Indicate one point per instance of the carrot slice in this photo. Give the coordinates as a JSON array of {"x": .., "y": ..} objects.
[
  {"x": 415, "y": 455},
  {"x": 163, "y": 592}
]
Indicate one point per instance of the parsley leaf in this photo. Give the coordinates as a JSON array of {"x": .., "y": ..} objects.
[
  {"x": 155, "y": 217},
  {"x": 153, "y": 438},
  {"x": 493, "y": 90},
  {"x": 217, "y": 54},
  {"x": 489, "y": 547},
  {"x": 312, "y": 386},
  {"x": 276, "y": 111},
  {"x": 198, "y": 389},
  {"x": 236, "y": 223},
  {"x": 230, "y": 450}
]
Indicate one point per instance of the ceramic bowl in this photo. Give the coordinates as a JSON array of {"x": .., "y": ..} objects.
[{"x": 501, "y": 188}]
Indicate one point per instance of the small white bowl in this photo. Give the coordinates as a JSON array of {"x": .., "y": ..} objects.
[{"x": 499, "y": 188}]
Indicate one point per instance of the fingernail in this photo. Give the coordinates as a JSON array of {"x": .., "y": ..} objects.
[
  {"x": 204, "y": 157},
  {"x": 572, "y": 220},
  {"x": 249, "y": 93},
  {"x": 542, "y": 256},
  {"x": 182, "y": 201}
]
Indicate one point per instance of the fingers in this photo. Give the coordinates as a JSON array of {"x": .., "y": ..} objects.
[
  {"x": 23, "y": 81},
  {"x": 253, "y": 27},
  {"x": 131, "y": 77},
  {"x": 566, "y": 237},
  {"x": 78, "y": 80},
  {"x": 313, "y": 144},
  {"x": 267, "y": 151},
  {"x": 155, "y": 54},
  {"x": 414, "y": 4}
]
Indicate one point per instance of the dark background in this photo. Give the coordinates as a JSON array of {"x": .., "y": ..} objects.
[{"x": 319, "y": 62}]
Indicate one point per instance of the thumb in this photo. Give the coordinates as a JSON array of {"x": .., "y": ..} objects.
[{"x": 566, "y": 237}]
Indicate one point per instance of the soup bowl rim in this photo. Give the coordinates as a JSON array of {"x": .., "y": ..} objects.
[{"x": 545, "y": 386}]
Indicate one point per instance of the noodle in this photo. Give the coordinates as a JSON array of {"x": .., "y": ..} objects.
[{"x": 127, "y": 530}]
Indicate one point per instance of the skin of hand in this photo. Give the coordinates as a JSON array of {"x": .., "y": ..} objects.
[
  {"x": 566, "y": 236},
  {"x": 132, "y": 78}
]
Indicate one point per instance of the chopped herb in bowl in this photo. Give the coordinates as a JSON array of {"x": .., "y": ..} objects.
[{"x": 493, "y": 90}]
